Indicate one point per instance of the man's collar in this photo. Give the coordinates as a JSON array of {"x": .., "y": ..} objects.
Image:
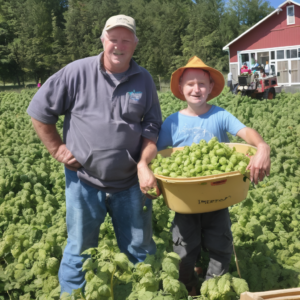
[{"x": 134, "y": 68}]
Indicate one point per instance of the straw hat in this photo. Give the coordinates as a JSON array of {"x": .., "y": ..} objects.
[{"x": 197, "y": 63}]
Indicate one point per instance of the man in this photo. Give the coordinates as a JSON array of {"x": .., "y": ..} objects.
[
  {"x": 267, "y": 68},
  {"x": 111, "y": 125}
]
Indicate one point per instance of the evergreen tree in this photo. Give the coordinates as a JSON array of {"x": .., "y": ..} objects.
[
  {"x": 38, "y": 37},
  {"x": 203, "y": 35},
  {"x": 84, "y": 24},
  {"x": 11, "y": 56},
  {"x": 248, "y": 12}
]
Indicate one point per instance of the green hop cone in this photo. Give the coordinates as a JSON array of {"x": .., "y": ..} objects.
[
  {"x": 178, "y": 160},
  {"x": 223, "y": 161},
  {"x": 221, "y": 152}
]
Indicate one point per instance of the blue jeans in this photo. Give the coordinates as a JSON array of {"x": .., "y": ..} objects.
[{"x": 86, "y": 210}]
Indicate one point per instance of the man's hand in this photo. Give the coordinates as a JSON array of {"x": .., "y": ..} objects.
[
  {"x": 146, "y": 179},
  {"x": 145, "y": 175},
  {"x": 64, "y": 156},
  {"x": 260, "y": 164},
  {"x": 54, "y": 144}
]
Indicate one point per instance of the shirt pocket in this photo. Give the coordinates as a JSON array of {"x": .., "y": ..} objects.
[
  {"x": 134, "y": 107},
  {"x": 111, "y": 164}
]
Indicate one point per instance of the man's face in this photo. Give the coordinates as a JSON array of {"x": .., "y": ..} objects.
[
  {"x": 119, "y": 46},
  {"x": 195, "y": 86}
]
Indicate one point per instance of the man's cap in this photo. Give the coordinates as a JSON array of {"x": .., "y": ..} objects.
[
  {"x": 120, "y": 20},
  {"x": 197, "y": 63}
]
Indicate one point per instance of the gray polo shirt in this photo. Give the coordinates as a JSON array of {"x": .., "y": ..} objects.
[{"x": 105, "y": 120}]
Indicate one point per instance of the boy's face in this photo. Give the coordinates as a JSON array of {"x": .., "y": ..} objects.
[{"x": 195, "y": 86}]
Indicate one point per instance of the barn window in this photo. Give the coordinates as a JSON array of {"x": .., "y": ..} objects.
[
  {"x": 244, "y": 59},
  {"x": 298, "y": 52},
  {"x": 291, "y": 53},
  {"x": 272, "y": 54},
  {"x": 272, "y": 70},
  {"x": 290, "y": 15},
  {"x": 280, "y": 54},
  {"x": 294, "y": 53}
]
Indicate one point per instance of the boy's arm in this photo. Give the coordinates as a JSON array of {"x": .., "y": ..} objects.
[{"x": 260, "y": 163}]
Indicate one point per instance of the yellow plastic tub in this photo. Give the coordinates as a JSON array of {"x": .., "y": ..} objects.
[{"x": 206, "y": 193}]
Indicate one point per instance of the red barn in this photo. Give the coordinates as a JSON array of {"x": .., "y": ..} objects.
[{"x": 273, "y": 43}]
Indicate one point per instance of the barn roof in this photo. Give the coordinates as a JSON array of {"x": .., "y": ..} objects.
[{"x": 278, "y": 9}]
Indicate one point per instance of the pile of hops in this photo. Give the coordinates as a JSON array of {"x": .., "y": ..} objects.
[{"x": 201, "y": 159}]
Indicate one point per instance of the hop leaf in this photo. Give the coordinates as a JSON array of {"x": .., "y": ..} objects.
[
  {"x": 122, "y": 261},
  {"x": 239, "y": 285},
  {"x": 170, "y": 268},
  {"x": 88, "y": 265}
]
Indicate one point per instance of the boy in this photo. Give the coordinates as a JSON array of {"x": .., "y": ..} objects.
[{"x": 198, "y": 83}]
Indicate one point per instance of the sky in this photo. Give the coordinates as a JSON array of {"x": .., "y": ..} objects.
[{"x": 276, "y": 3}]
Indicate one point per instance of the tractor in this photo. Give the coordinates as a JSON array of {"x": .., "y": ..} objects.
[{"x": 256, "y": 87}]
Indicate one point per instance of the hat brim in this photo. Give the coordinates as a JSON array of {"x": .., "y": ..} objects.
[
  {"x": 218, "y": 78},
  {"x": 120, "y": 25}
]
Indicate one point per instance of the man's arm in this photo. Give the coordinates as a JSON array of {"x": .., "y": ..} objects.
[
  {"x": 145, "y": 175},
  {"x": 54, "y": 144},
  {"x": 260, "y": 163}
]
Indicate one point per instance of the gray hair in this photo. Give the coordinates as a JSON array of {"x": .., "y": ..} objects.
[
  {"x": 206, "y": 72},
  {"x": 104, "y": 35}
]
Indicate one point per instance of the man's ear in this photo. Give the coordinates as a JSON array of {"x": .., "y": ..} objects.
[{"x": 211, "y": 86}]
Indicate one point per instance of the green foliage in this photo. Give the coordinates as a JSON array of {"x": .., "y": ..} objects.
[
  {"x": 265, "y": 225},
  {"x": 223, "y": 287},
  {"x": 32, "y": 207}
]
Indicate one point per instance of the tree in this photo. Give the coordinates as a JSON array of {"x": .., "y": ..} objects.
[
  {"x": 10, "y": 47},
  {"x": 38, "y": 37},
  {"x": 203, "y": 35},
  {"x": 248, "y": 12},
  {"x": 160, "y": 25},
  {"x": 84, "y": 23}
]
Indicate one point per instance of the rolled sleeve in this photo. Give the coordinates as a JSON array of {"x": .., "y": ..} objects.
[
  {"x": 51, "y": 100},
  {"x": 152, "y": 119},
  {"x": 232, "y": 124}
]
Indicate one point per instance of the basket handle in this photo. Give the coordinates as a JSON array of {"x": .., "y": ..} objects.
[{"x": 219, "y": 182}]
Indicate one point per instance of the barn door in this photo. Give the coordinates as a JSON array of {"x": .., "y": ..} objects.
[
  {"x": 283, "y": 69},
  {"x": 295, "y": 71},
  {"x": 234, "y": 71}
]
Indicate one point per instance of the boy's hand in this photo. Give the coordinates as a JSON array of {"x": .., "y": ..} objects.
[
  {"x": 260, "y": 164},
  {"x": 146, "y": 179}
]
